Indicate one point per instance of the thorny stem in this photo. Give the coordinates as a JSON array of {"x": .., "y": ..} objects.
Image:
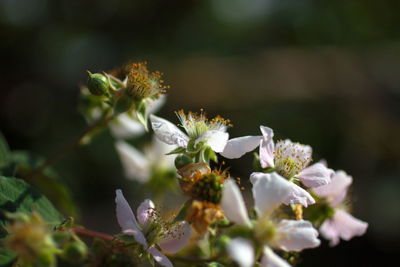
[{"x": 69, "y": 148}]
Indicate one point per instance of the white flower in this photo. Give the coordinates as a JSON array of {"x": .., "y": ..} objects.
[
  {"x": 139, "y": 166},
  {"x": 342, "y": 224},
  {"x": 201, "y": 130},
  {"x": 292, "y": 160},
  {"x": 269, "y": 191},
  {"x": 169, "y": 240},
  {"x": 127, "y": 125}
]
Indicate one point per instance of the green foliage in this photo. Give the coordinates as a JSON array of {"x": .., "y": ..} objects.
[
  {"x": 17, "y": 196},
  {"x": 4, "y": 151},
  {"x": 48, "y": 182}
]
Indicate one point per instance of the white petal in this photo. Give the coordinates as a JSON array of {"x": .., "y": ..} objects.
[
  {"x": 241, "y": 251},
  {"x": 156, "y": 154},
  {"x": 336, "y": 190},
  {"x": 270, "y": 190},
  {"x": 296, "y": 235},
  {"x": 145, "y": 212},
  {"x": 160, "y": 258},
  {"x": 135, "y": 165},
  {"x": 342, "y": 225},
  {"x": 155, "y": 105},
  {"x": 316, "y": 175},
  {"x": 177, "y": 238},
  {"x": 168, "y": 132},
  {"x": 267, "y": 147},
  {"x": 127, "y": 220},
  {"x": 215, "y": 139},
  {"x": 270, "y": 259},
  {"x": 237, "y": 147},
  {"x": 232, "y": 204},
  {"x": 124, "y": 126}
]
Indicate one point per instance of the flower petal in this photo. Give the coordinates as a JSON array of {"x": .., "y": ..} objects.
[
  {"x": 342, "y": 225},
  {"x": 237, "y": 147},
  {"x": 155, "y": 105},
  {"x": 145, "y": 212},
  {"x": 316, "y": 175},
  {"x": 177, "y": 238},
  {"x": 270, "y": 259},
  {"x": 215, "y": 139},
  {"x": 232, "y": 204},
  {"x": 160, "y": 258},
  {"x": 124, "y": 126},
  {"x": 336, "y": 190},
  {"x": 270, "y": 190},
  {"x": 136, "y": 166},
  {"x": 156, "y": 154},
  {"x": 127, "y": 220},
  {"x": 267, "y": 147},
  {"x": 296, "y": 235},
  {"x": 168, "y": 132},
  {"x": 241, "y": 251}
]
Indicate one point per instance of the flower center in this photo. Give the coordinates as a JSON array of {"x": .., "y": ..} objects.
[
  {"x": 196, "y": 124},
  {"x": 142, "y": 83},
  {"x": 291, "y": 158}
]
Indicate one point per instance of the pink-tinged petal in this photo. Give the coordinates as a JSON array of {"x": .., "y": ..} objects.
[
  {"x": 215, "y": 139},
  {"x": 270, "y": 259},
  {"x": 315, "y": 175},
  {"x": 168, "y": 132},
  {"x": 342, "y": 225},
  {"x": 145, "y": 212},
  {"x": 336, "y": 190},
  {"x": 296, "y": 235},
  {"x": 237, "y": 147},
  {"x": 270, "y": 190},
  {"x": 136, "y": 166},
  {"x": 241, "y": 251},
  {"x": 232, "y": 204},
  {"x": 124, "y": 126},
  {"x": 178, "y": 237},
  {"x": 160, "y": 258},
  {"x": 127, "y": 220},
  {"x": 267, "y": 147}
]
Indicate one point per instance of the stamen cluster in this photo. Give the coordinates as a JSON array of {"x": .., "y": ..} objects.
[
  {"x": 291, "y": 158},
  {"x": 196, "y": 124},
  {"x": 144, "y": 84}
]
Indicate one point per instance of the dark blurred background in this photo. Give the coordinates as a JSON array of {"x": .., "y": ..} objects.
[{"x": 324, "y": 73}]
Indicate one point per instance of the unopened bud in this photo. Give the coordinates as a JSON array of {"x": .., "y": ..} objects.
[
  {"x": 98, "y": 84},
  {"x": 74, "y": 251},
  {"x": 182, "y": 160}
]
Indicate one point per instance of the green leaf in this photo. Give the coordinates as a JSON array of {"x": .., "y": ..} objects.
[
  {"x": 48, "y": 182},
  {"x": 6, "y": 257},
  {"x": 4, "y": 151},
  {"x": 18, "y": 196}
]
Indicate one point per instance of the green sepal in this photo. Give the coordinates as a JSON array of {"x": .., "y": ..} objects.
[
  {"x": 178, "y": 150},
  {"x": 183, "y": 211},
  {"x": 141, "y": 114}
]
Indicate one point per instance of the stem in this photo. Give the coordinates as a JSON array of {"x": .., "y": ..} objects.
[
  {"x": 90, "y": 233},
  {"x": 68, "y": 148}
]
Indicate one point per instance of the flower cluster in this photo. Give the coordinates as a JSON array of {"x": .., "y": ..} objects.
[{"x": 294, "y": 199}]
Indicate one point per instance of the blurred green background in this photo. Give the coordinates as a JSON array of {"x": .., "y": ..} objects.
[{"x": 324, "y": 73}]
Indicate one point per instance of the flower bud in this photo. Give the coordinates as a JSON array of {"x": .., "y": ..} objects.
[
  {"x": 98, "y": 84},
  {"x": 74, "y": 251},
  {"x": 182, "y": 160}
]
